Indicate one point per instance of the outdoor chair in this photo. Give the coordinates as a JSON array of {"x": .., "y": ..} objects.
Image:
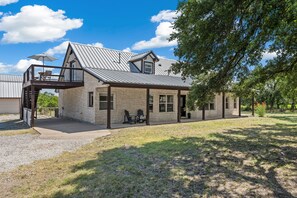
[
  {"x": 128, "y": 119},
  {"x": 140, "y": 116},
  {"x": 47, "y": 74}
]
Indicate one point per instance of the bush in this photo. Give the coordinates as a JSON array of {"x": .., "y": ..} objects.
[{"x": 261, "y": 109}]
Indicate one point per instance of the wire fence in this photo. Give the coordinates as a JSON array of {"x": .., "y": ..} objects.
[{"x": 48, "y": 111}]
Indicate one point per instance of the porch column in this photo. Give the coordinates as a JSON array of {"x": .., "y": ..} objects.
[
  {"x": 203, "y": 112},
  {"x": 147, "y": 106},
  {"x": 32, "y": 105},
  {"x": 253, "y": 104},
  {"x": 239, "y": 107},
  {"x": 108, "y": 107},
  {"x": 223, "y": 105},
  {"x": 178, "y": 106}
]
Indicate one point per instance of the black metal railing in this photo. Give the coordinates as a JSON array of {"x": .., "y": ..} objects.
[{"x": 53, "y": 74}]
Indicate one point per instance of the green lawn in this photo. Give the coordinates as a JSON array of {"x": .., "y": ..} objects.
[{"x": 254, "y": 157}]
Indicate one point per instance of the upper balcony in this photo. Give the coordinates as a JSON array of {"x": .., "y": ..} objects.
[{"x": 53, "y": 77}]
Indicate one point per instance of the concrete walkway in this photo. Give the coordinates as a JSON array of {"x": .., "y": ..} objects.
[{"x": 55, "y": 128}]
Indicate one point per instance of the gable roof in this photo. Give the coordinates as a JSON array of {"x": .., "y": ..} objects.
[
  {"x": 140, "y": 56},
  {"x": 114, "y": 66},
  {"x": 10, "y": 86}
]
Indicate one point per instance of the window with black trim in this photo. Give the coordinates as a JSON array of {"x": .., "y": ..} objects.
[
  {"x": 166, "y": 103},
  {"x": 91, "y": 99},
  {"x": 151, "y": 103},
  {"x": 235, "y": 103},
  {"x": 148, "y": 67},
  {"x": 208, "y": 106},
  {"x": 103, "y": 102},
  {"x": 212, "y": 105},
  {"x": 227, "y": 103}
]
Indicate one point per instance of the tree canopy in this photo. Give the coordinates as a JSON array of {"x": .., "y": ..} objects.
[
  {"x": 47, "y": 100},
  {"x": 220, "y": 42}
]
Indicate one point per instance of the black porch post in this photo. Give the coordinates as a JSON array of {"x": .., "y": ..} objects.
[
  {"x": 178, "y": 106},
  {"x": 203, "y": 112},
  {"x": 32, "y": 105},
  {"x": 223, "y": 105},
  {"x": 147, "y": 106},
  {"x": 109, "y": 107},
  {"x": 239, "y": 107}
]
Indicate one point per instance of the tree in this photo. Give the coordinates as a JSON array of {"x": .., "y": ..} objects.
[
  {"x": 221, "y": 41},
  {"x": 47, "y": 100}
]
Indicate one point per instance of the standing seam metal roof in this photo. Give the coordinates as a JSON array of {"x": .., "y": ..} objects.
[
  {"x": 10, "y": 86},
  {"x": 112, "y": 76}
]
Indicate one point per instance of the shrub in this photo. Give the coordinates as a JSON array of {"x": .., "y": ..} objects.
[{"x": 261, "y": 109}]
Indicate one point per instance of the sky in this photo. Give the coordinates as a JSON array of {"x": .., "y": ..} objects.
[{"x": 30, "y": 27}]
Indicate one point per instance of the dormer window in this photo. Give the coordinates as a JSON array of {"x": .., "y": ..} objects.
[
  {"x": 148, "y": 67},
  {"x": 145, "y": 62}
]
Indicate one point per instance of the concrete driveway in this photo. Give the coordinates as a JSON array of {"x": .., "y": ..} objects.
[{"x": 70, "y": 129}]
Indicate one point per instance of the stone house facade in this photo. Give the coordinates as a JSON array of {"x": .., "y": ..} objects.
[{"x": 115, "y": 81}]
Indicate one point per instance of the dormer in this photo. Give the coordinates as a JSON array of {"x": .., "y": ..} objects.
[{"x": 145, "y": 62}]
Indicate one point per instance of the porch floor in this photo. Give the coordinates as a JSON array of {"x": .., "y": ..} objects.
[{"x": 68, "y": 128}]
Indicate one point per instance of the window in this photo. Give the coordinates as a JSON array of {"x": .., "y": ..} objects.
[
  {"x": 103, "y": 102},
  {"x": 170, "y": 103},
  {"x": 227, "y": 103},
  {"x": 91, "y": 99},
  {"x": 162, "y": 103},
  {"x": 208, "y": 106},
  {"x": 148, "y": 67},
  {"x": 212, "y": 105},
  {"x": 166, "y": 103},
  {"x": 235, "y": 103},
  {"x": 72, "y": 74},
  {"x": 151, "y": 103}
]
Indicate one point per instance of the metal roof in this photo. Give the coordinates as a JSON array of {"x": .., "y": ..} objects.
[
  {"x": 122, "y": 77},
  {"x": 10, "y": 86},
  {"x": 103, "y": 58},
  {"x": 10, "y": 78},
  {"x": 136, "y": 57}
]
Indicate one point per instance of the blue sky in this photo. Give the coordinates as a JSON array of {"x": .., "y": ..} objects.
[{"x": 31, "y": 27}]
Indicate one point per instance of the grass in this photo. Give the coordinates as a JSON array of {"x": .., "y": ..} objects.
[{"x": 253, "y": 157}]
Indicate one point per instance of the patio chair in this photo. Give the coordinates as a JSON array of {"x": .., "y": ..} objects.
[
  {"x": 140, "y": 116},
  {"x": 128, "y": 119},
  {"x": 47, "y": 74}
]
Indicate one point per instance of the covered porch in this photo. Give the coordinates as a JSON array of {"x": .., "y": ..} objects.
[{"x": 152, "y": 114}]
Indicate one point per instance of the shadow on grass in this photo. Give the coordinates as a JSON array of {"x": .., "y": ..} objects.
[
  {"x": 231, "y": 164},
  {"x": 292, "y": 119}
]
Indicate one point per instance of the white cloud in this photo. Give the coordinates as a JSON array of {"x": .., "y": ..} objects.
[
  {"x": 165, "y": 15},
  {"x": 163, "y": 32},
  {"x": 23, "y": 64},
  {"x": 60, "y": 49},
  {"x": 4, "y": 68},
  {"x": 36, "y": 24},
  {"x": 127, "y": 49},
  {"x": 1, "y": 13},
  {"x": 6, "y": 2},
  {"x": 96, "y": 45},
  {"x": 268, "y": 55},
  {"x": 162, "y": 57}
]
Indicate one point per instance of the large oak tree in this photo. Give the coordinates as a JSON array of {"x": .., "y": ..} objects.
[{"x": 221, "y": 41}]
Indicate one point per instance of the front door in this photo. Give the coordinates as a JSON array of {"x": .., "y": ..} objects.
[{"x": 183, "y": 111}]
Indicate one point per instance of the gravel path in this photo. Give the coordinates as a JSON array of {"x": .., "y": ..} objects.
[{"x": 24, "y": 149}]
